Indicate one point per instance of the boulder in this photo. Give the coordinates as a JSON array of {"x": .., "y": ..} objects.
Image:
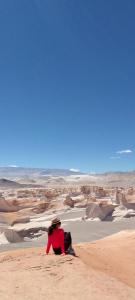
[
  {"x": 12, "y": 236},
  {"x": 69, "y": 201},
  {"x": 99, "y": 210}
]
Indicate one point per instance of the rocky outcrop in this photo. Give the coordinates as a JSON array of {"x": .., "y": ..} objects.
[
  {"x": 100, "y": 193},
  {"x": 69, "y": 201},
  {"x": 40, "y": 207},
  {"x": 80, "y": 201},
  {"x": 121, "y": 212},
  {"x": 119, "y": 197},
  {"x": 99, "y": 210},
  {"x": 104, "y": 210},
  {"x": 86, "y": 190},
  {"x": 32, "y": 232},
  {"x": 12, "y": 236},
  {"x": 21, "y": 220},
  {"x": 6, "y": 206},
  {"x": 126, "y": 199}
]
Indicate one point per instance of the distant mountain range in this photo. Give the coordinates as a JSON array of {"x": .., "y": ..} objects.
[
  {"x": 39, "y": 172},
  {"x": 12, "y": 172},
  {"x": 30, "y": 177}
]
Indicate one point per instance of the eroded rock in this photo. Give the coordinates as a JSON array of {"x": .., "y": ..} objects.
[
  {"x": 69, "y": 201},
  {"x": 7, "y": 206},
  {"x": 99, "y": 210}
]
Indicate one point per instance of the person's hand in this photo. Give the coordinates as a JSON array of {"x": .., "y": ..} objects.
[{"x": 62, "y": 254}]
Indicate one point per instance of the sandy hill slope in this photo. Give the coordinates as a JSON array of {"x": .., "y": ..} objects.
[
  {"x": 113, "y": 255},
  {"x": 30, "y": 274}
]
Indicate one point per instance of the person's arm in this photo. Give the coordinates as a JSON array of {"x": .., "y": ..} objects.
[
  {"x": 48, "y": 244},
  {"x": 62, "y": 241}
]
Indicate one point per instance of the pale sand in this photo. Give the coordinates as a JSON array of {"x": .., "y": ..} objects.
[{"x": 104, "y": 270}]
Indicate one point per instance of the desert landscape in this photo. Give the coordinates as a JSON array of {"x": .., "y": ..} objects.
[
  {"x": 67, "y": 150},
  {"x": 101, "y": 219}
]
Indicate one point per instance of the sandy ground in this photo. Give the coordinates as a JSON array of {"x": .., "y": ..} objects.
[{"x": 104, "y": 269}]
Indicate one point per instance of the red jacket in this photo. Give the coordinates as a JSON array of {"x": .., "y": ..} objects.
[{"x": 56, "y": 240}]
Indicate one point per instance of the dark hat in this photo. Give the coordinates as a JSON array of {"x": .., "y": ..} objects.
[{"x": 56, "y": 221}]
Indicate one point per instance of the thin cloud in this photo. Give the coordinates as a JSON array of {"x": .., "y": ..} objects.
[{"x": 127, "y": 151}]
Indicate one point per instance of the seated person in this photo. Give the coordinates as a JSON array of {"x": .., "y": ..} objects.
[{"x": 60, "y": 241}]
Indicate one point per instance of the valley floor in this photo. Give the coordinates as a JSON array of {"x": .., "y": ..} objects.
[{"x": 82, "y": 231}]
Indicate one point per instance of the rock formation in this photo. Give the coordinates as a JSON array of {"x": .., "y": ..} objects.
[
  {"x": 100, "y": 193},
  {"x": 86, "y": 190},
  {"x": 99, "y": 210},
  {"x": 6, "y": 206},
  {"x": 69, "y": 202},
  {"x": 12, "y": 236}
]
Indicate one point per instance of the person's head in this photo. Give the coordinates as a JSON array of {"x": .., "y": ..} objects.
[{"x": 56, "y": 223}]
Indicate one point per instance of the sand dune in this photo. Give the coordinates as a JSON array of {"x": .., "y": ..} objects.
[{"x": 30, "y": 274}]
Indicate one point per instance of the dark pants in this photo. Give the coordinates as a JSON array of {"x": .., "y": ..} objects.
[
  {"x": 67, "y": 244},
  {"x": 57, "y": 251}
]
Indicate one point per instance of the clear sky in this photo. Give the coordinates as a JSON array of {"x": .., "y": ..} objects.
[{"x": 67, "y": 84}]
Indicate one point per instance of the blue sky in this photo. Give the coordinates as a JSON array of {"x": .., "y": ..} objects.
[{"x": 67, "y": 84}]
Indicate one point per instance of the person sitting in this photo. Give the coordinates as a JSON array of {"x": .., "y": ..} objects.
[{"x": 60, "y": 241}]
